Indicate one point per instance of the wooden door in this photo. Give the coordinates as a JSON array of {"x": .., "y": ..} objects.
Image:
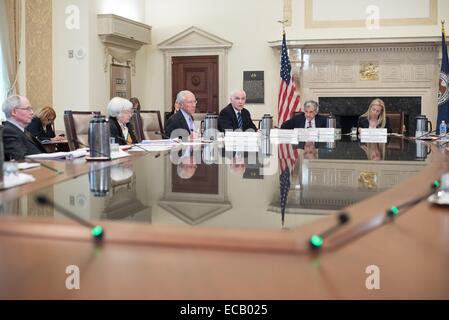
[{"x": 200, "y": 75}]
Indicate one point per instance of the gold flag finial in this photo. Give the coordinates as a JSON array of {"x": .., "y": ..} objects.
[{"x": 283, "y": 22}]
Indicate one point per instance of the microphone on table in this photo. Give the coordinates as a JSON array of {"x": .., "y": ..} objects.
[
  {"x": 165, "y": 136},
  {"x": 394, "y": 211},
  {"x": 317, "y": 241},
  {"x": 45, "y": 166},
  {"x": 96, "y": 231},
  {"x": 134, "y": 145},
  {"x": 425, "y": 135}
]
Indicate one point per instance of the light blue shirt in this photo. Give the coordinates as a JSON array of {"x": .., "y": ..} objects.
[
  {"x": 189, "y": 120},
  {"x": 16, "y": 124}
]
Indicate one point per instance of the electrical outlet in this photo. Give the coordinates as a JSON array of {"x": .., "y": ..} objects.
[{"x": 70, "y": 54}]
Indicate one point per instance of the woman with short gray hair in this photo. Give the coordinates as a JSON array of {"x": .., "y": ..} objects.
[{"x": 120, "y": 113}]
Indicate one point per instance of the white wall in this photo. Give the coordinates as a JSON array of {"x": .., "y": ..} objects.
[
  {"x": 82, "y": 84},
  {"x": 248, "y": 24},
  {"x": 71, "y": 84},
  {"x": 398, "y": 9}
]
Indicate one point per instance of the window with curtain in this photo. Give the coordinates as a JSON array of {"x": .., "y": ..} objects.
[{"x": 4, "y": 83}]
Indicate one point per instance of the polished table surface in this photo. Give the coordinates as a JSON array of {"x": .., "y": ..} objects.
[{"x": 218, "y": 234}]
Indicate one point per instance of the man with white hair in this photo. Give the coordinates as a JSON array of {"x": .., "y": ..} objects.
[
  {"x": 17, "y": 141},
  {"x": 234, "y": 116},
  {"x": 120, "y": 113},
  {"x": 181, "y": 124}
]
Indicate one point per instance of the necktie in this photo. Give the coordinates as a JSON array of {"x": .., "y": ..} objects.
[
  {"x": 191, "y": 124},
  {"x": 240, "y": 120},
  {"x": 309, "y": 124}
]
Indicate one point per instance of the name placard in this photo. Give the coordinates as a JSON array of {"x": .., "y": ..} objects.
[
  {"x": 373, "y": 139},
  {"x": 373, "y": 132}
]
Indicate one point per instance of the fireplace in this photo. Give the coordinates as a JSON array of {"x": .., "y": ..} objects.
[{"x": 348, "y": 109}]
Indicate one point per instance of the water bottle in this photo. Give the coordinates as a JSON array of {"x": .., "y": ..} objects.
[{"x": 443, "y": 128}]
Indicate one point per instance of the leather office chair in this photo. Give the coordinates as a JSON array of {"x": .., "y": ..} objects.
[
  {"x": 396, "y": 121},
  {"x": 77, "y": 127},
  {"x": 150, "y": 127}
]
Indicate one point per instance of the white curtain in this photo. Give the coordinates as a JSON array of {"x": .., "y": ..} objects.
[
  {"x": 4, "y": 79},
  {"x": 10, "y": 26}
]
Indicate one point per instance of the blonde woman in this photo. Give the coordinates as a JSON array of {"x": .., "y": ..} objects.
[
  {"x": 375, "y": 117},
  {"x": 41, "y": 126}
]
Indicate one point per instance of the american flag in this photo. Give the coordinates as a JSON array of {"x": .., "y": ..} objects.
[
  {"x": 443, "y": 86},
  {"x": 287, "y": 159},
  {"x": 288, "y": 101}
]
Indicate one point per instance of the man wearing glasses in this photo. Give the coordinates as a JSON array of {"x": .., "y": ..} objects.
[
  {"x": 181, "y": 124},
  {"x": 17, "y": 141}
]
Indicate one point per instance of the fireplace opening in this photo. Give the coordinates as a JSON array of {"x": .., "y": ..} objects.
[{"x": 348, "y": 109}]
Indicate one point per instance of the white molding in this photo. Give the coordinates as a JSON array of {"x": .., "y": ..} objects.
[
  {"x": 353, "y": 42},
  {"x": 194, "y": 38}
]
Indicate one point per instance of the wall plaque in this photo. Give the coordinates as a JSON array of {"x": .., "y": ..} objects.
[
  {"x": 253, "y": 84},
  {"x": 120, "y": 81}
]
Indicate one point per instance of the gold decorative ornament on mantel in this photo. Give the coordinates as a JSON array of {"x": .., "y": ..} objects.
[
  {"x": 369, "y": 72},
  {"x": 368, "y": 180}
]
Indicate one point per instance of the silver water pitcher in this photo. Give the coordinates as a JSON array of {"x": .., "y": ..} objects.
[
  {"x": 210, "y": 129},
  {"x": 266, "y": 124},
  {"x": 331, "y": 122},
  {"x": 422, "y": 126},
  {"x": 99, "y": 138},
  {"x": 422, "y": 150}
]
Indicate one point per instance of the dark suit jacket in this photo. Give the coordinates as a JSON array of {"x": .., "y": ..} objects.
[
  {"x": 177, "y": 121},
  {"x": 299, "y": 121},
  {"x": 227, "y": 120},
  {"x": 364, "y": 123},
  {"x": 37, "y": 130},
  {"x": 17, "y": 144},
  {"x": 117, "y": 133}
]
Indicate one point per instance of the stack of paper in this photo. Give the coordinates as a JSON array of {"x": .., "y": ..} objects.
[
  {"x": 59, "y": 155},
  {"x": 13, "y": 180}
]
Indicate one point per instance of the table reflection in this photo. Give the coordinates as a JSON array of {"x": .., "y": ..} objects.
[{"x": 212, "y": 186}]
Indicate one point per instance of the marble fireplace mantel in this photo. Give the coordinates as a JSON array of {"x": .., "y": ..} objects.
[{"x": 388, "y": 67}]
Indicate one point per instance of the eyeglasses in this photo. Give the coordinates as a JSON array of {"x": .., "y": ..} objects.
[
  {"x": 191, "y": 101},
  {"x": 29, "y": 109}
]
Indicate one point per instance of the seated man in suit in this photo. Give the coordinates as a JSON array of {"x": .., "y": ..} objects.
[
  {"x": 234, "y": 116},
  {"x": 308, "y": 119},
  {"x": 17, "y": 141},
  {"x": 181, "y": 123}
]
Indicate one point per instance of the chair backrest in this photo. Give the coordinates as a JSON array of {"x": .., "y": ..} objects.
[
  {"x": 396, "y": 121},
  {"x": 150, "y": 127},
  {"x": 77, "y": 127}
]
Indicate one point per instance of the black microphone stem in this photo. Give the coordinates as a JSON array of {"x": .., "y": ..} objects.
[
  {"x": 97, "y": 231},
  {"x": 45, "y": 166}
]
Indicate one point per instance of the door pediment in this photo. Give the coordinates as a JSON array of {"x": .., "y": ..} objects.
[{"x": 194, "y": 37}]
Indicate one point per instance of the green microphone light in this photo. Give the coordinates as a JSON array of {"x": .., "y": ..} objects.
[{"x": 316, "y": 241}]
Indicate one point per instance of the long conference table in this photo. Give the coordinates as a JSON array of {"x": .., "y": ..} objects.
[{"x": 216, "y": 222}]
